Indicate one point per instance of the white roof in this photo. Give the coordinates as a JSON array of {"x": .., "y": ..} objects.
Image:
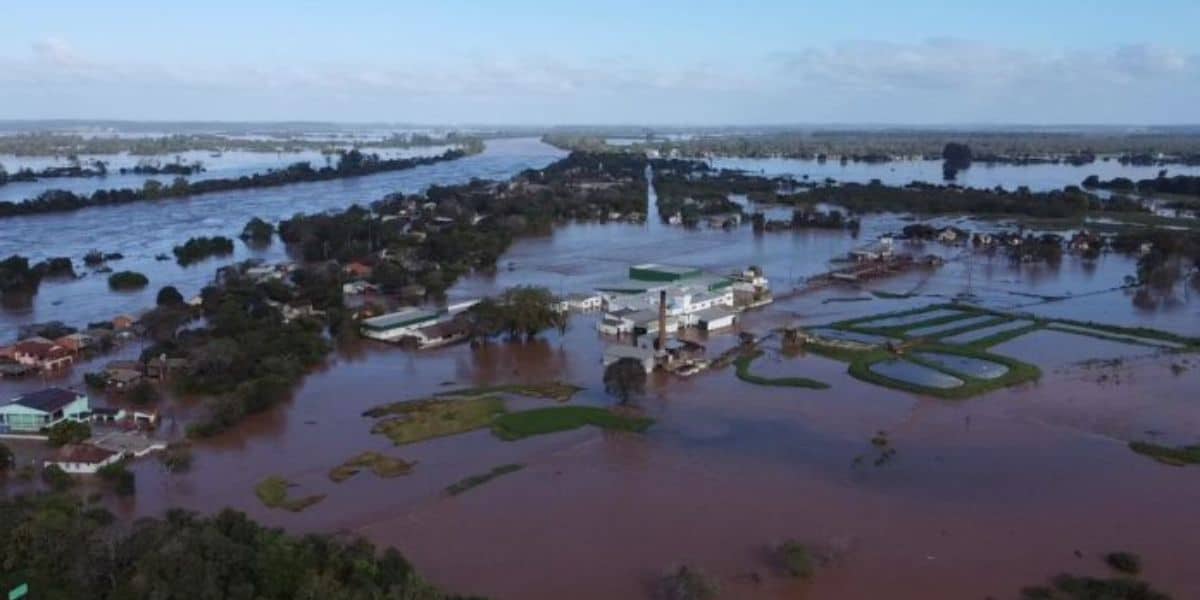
[{"x": 621, "y": 351}]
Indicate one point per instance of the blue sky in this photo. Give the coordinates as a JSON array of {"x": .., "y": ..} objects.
[{"x": 528, "y": 62}]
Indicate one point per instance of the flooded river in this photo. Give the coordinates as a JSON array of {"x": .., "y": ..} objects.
[{"x": 983, "y": 496}]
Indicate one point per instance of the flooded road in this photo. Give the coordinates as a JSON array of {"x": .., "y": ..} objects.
[{"x": 984, "y": 496}]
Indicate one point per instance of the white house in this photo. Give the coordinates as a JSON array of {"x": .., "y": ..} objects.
[
  {"x": 616, "y": 352},
  {"x": 717, "y": 317},
  {"x": 580, "y": 303},
  {"x": 617, "y": 322},
  {"x": 391, "y": 327},
  {"x": 83, "y": 459},
  {"x": 37, "y": 410}
]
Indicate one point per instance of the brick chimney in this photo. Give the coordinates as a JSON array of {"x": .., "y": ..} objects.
[{"x": 662, "y": 321}]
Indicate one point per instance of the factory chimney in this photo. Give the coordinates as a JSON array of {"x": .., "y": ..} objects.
[{"x": 662, "y": 321}]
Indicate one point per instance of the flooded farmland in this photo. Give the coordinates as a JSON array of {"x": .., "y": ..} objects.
[{"x": 1029, "y": 478}]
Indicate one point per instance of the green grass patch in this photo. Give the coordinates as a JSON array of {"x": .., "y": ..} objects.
[
  {"x": 273, "y": 493},
  {"x": 478, "y": 480},
  {"x": 549, "y": 390},
  {"x": 419, "y": 420},
  {"x": 1176, "y": 456},
  {"x": 742, "y": 368},
  {"x": 1127, "y": 335},
  {"x": 379, "y": 464},
  {"x": 796, "y": 560},
  {"x": 539, "y": 421}
]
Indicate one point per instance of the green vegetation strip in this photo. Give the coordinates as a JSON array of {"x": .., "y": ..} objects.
[
  {"x": 742, "y": 366},
  {"x": 520, "y": 425},
  {"x": 419, "y": 420},
  {"x": 550, "y": 390},
  {"x": 1168, "y": 455},
  {"x": 379, "y": 464},
  {"x": 273, "y": 493},
  {"x": 478, "y": 480},
  {"x": 1002, "y": 337}
]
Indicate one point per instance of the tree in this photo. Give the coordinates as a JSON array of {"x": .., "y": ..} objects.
[
  {"x": 6, "y": 458},
  {"x": 625, "y": 379},
  {"x": 169, "y": 296},
  {"x": 127, "y": 280},
  {"x": 68, "y": 432},
  {"x": 177, "y": 458},
  {"x": 143, "y": 393}
]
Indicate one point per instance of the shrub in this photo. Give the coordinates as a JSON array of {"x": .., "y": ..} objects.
[
  {"x": 56, "y": 478},
  {"x": 169, "y": 296},
  {"x": 143, "y": 393},
  {"x": 796, "y": 559},
  {"x": 687, "y": 583},
  {"x": 127, "y": 280},
  {"x": 68, "y": 432},
  {"x": 1124, "y": 562}
]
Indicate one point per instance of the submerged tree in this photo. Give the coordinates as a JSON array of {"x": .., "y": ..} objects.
[{"x": 625, "y": 379}]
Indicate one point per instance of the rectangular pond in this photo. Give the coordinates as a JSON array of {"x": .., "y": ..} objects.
[
  {"x": 964, "y": 365},
  {"x": 968, "y": 337},
  {"x": 901, "y": 320},
  {"x": 1112, "y": 334},
  {"x": 850, "y": 336},
  {"x": 910, "y": 372},
  {"x": 951, "y": 326}
]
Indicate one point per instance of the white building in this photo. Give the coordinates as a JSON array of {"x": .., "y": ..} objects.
[
  {"x": 83, "y": 459},
  {"x": 617, "y": 352},
  {"x": 393, "y": 326},
  {"x": 35, "y": 411},
  {"x": 580, "y": 303}
]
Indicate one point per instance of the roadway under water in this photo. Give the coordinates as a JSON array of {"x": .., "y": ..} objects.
[{"x": 983, "y": 496}]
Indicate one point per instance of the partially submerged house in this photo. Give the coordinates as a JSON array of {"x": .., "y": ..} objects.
[
  {"x": 42, "y": 354},
  {"x": 616, "y": 352},
  {"x": 32, "y": 412},
  {"x": 83, "y": 459}
]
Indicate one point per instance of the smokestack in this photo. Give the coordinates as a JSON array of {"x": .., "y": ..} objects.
[{"x": 662, "y": 320}]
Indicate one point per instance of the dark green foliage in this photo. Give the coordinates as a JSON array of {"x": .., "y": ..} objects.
[
  {"x": 199, "y": 248},
  {"x": 16, "y": 276},
  {"x": 122, "y": 480},
  {"x": 56, "y": 478},
  {"x": 177, "y": 458},
  {"x": 247, "y": 356},
  {"x": 63, "y": 549},
  {"x": 1125, "y": 562},
  {"x": 68, "y": 432},
  {"x": 62, "y": 200},
  {"x": 796, "y": 559},
  {"x": 520, "y": 312},
  {"x": 1075, "y": 587},
  {"x": 625, "y": 379},
  {"x": 1168, "y": 455},
  {"x": 6, "y": 458},
  {"x": 257, "y": 231},
  {"x": 143, "y": 393},
  {"x": 687, "y": 583},
  {"x": 127, "y": 280},
  {"x": 169, "y": 296}
]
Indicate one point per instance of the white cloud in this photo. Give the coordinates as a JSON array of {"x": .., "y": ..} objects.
[{"x": 939, "y": 79}]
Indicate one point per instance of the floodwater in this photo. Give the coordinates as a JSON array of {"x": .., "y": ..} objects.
[
  {"x": 983, "y": 496},
  {"x": 1035, "y": 177},
  {"x": 974, "y": 367},
  {"x": 234, "y": 163},
  {"x": 143, "y": 230}
]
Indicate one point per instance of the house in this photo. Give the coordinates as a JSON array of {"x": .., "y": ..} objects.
[
  {"x": 123, "y": 322},
  {"x": 42, "y": 353},
  {"x": 439, "y": 333},
  {"x": 83, "y": 459},
  {"x": 357, "y": 287},
  {"x": 35, "y": 411},
  {"x": 579, "y": 303},
  {"x": 711, "y": 319},
  {"x": 123, "y": 374},
  {"x": 617, "y": 322},
  {"x": 75, "y": 342},
  {"x": 163, "y": 367},
  {"x": 393, "y": 326},
  {"x": 950, "y": 235},
  {"x": 616, "y": 352}
]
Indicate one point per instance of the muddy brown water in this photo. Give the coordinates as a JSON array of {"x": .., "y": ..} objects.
[{"x": 983, "y": 496}]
